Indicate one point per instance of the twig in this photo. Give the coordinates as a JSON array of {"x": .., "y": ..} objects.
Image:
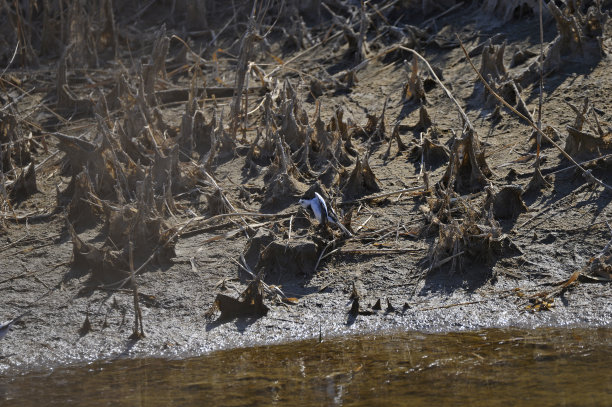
[
  {"x": 12, "y": 59},
  {"x": 375, "y": 232},
  {"x": 238, "y": 214},
  {"x": 26, "y": 216},
  {"x": 137, "y": 311},
  {"x": 230, "y": 234},
  {"x": 140, "y": 12},
  {"x": 301, "y": 54},
  {"x": 246, "y": 268},
  {"x": 603, "y": 157},
  {"x": 376, "y": 251},
  {"x": 321, "y": 255},
  {"x": 397, "y": 231},
  {"x": 541, "y": 74},
  {"x": 537, "y": 172},
  {"x": 454, "y": 305},
  {"x": 330, "y": 253},
  {"x": 363, "y": 224},
  {"x": 446, "y": 260},
  {"x": 545, "y": 210},
  {"x": 22, "y": 275},
  {"x": 448, "y": 93},
  {"x": 243, "y": 59},
  {"x": 196, "y": 55},
  {"x": 15, "y": 243},
  {"x": 337, "y": 34},
  {"x": 442, "y": 14},
  {"x": 289, "y": 235},
  {"x": 374, "y": 241},
  {"x": 422, "y": 155}
]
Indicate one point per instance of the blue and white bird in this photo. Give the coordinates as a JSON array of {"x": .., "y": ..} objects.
[
  {"x": 5, "y": 327},
  {"x": 322, "y": 212}
]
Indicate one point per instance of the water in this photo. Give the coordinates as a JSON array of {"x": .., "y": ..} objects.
[{"x": 483, "y": 368}]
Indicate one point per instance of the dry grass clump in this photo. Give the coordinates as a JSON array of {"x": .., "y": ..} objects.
[
  {"x": 360, "y": 181},
  {"x": 17, "y": 169},
  {"x": 428, "y": 151},
  {"x": 580, "y": 37},
  {"x": 467, "y": 170},
  {"x": 586, "y": 137},
  {"x": 470, "y": 232},
  {"x": 506, "y": 202},
  {"x": 137, "y": 224},
  {"x": 414, "y": 88}
]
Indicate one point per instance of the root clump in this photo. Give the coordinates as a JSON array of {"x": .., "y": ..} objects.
[
  {"x": 467, "y": 169},
  {"x": 506, "y": 202},
  {"x": 361, "y": 180},
  {"x": 476, "y": 236}
]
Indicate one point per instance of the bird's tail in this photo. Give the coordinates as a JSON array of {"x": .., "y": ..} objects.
[
  {"x": 17, "y": 318},
  {"x": 343, "y": 229}
]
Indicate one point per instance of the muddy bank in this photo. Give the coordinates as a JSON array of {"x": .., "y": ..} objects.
[
  {"x": 478, "y": 368},
  {"x": 152, "y": 191},
  {"x": 179, "y": 331}
]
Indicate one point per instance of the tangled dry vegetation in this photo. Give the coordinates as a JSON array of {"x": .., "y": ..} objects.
[{"x": 137, "y": 121}]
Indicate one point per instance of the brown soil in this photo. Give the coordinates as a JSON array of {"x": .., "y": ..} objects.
[{"x": 132, "y": 185}]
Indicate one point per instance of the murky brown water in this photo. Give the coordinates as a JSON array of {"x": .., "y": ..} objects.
[{"x": 484, "y": 368}]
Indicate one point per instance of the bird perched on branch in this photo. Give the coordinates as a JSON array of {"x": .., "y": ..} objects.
[
  {"x": 322, "y": 212},
  {"x": 6, "y": 326}
]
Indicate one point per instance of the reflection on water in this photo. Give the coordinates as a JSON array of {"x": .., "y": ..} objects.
[{"x": 483, "y": 368}]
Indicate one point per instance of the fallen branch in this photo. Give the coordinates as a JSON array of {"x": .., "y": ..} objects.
[
  {"x": 237, "y": 214},
  {"x": 383, "y": 195},
  {"x": 376, "y": 251},
  {"x": 231, "y": 234},
  {"x": 34, "y": 215},
  {"x": 454, "y": 305}
]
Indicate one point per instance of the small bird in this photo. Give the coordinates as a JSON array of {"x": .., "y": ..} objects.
[
  {"x": 5, "y": 327},
  {"x": 322, "y": 212}
]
